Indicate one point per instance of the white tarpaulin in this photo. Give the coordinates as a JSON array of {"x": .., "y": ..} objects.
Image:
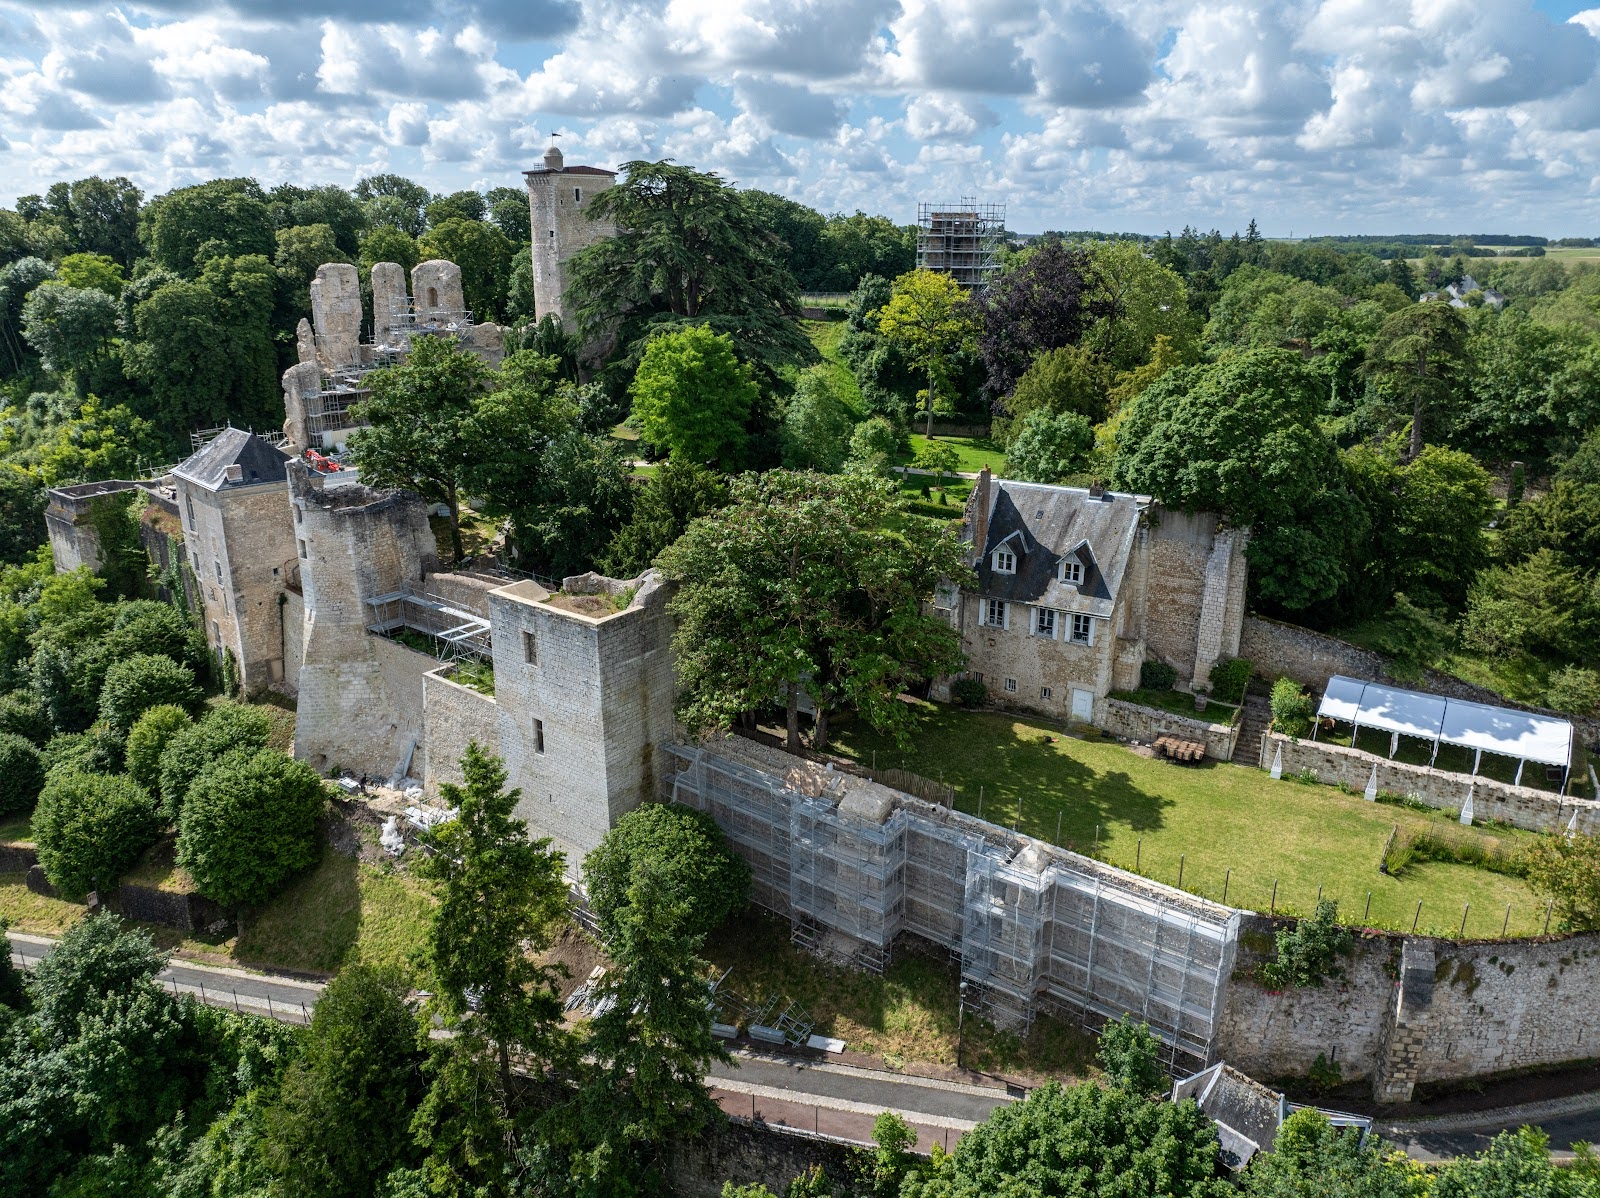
[
  {"x": 1520, "y": 735},
  {"x": 1406, "y": 712}
]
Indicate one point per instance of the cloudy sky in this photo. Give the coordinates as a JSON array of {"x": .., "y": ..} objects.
[{"x": 1330, "y": 116}]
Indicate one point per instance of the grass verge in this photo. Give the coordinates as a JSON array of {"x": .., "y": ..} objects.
[
  {"x": 1224, "y": 829},
  {"x": 906, "y": 1016}
]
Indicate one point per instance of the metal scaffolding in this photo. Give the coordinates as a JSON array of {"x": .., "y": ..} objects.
[
  {"x": 962, "y": 240},
  {"x": 456, "y": 633},
  {"x": 1032, "y": 925}
]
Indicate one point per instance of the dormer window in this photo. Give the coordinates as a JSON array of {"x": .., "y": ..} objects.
[
  {"x": 1072, "y": 571},
  {"x": 1004, "y": 561}
]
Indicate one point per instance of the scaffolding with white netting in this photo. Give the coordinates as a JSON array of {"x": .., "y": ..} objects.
[{"x": 1034, "y": 926}]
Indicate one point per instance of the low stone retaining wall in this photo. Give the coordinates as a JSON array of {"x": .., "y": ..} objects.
[
  {"x": 185, "y": 911},
  {"x": 1520, "y": 806},
  {"x": 1133, "y": 721},
  {"x": 749, "y": 1155},
  {"x": 17, "y": 858}
]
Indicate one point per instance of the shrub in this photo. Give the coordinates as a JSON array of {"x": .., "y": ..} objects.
[
  {"x": 149, "y": 626},
  {"x": 1566, "y": 872},
  {"x": 148, "y": 739},
  {"x": 1411, "y": 634},
  {"x": 1574, "y": 690},
  {"x": 1229, "y": 678},
  {"x": 969, "y": 692},
  {"x": 97, "y": 751},
  {"x": 91, "y": 828},
  {"x": 1324, "y": 1075},
  {"x": 1130, "y": 1054},
  {"x": 249, "y": 824},
  {"x": 1308, "y": 952},
  {"x": 1156, "y": 676},
  {"x": 23, "y": 714},
  {"x": 696, "y": 865},
  {"x": 21, "y": 774},
  {"x": 1291, "y": 708},
  {"x": 225, "y": 727},
  {"x": 135, "y": 685}
]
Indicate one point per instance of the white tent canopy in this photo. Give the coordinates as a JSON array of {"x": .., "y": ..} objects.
[{"x": 1520, "y": 735}]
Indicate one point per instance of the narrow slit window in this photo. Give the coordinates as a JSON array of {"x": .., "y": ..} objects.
[
  {"x": 538, "y": 736},
  {"x": 530, "y": 648}
]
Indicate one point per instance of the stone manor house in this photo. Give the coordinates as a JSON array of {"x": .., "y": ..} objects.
[{"x": 1076, "y": 588}]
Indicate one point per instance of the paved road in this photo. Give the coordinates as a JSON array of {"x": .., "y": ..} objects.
[
  {"x": 260, "y": 994},
  {"x": 842, "y": 1101},
  {"x": 827, "y": 1099}
]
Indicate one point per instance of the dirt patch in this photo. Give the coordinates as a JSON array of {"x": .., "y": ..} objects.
[
  {"x": 596, "y": 607},
  {"x": 576, "y": 952},
  {"x": 1487, "y": 1094}
]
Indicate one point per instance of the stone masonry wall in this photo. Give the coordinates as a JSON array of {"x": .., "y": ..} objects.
[
  {"x": 258, "y": 556},
  {"x": 1520, "y": 806},
  {"x": 1035, "y": 662},
  {"x": 336, "y": 313},
  {"x": 453, "y": 717},
  {"x": 1132, "y": 721},
  {"x": 1491, "y": 1007},
  {"x": 1179, "y": 550}
]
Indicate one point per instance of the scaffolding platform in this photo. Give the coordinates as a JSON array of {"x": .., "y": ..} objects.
[
  {"x": 853, "y": 865},
  {"x": 961, "y": 239},
  {"x": 459, "y": 633}
]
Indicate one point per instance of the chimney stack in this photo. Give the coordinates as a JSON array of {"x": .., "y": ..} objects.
[{"x": 980, "y": 514}]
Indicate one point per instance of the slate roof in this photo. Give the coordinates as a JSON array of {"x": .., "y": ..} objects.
[
  {"x": 1247, "y": 1114},
  {"x": 259, "y": 462},
  {"x": 1042, "y": 524}
]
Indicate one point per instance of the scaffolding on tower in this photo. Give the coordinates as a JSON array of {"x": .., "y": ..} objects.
[{"x": 962, "y": 240}]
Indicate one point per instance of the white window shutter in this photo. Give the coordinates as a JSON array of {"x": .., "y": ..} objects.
[{"x": 1005, "y": 615}]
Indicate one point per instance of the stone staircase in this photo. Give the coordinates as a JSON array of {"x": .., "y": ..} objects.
[{"x": 1257, "y": 718}]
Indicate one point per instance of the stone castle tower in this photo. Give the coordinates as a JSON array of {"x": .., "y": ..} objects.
[{"x": 558, "y": 200}]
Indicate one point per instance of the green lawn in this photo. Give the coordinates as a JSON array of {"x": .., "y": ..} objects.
[
  {"x": 1157, "y": 817},
  {"x": 973, "y": 453},
  {"x": 826, "y": 335},
  {"x": 16, "y": 829},
  {"x": 1180, "y": 703}
]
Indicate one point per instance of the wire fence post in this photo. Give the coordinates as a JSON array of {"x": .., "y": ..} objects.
[
  {"x": 1365, "y": 915},
  {"x": 1016, "y": 822},
  {"x": 1096, "y": 834},
  {"x": 1181, "y": 858},
  {"x": 270, "y": 1015},
  {"x": 1417, "y": 916},
  {"x": 305, "y": 1014},
  {"x": 236, "y": 1010},
  {"x": 1273, "y": 910},
  {"x": 1547, "y": 911},
  {"x": 980, "y": 800},
  {"x": 203, "y": 993},
  {"x": 1138, "y": 854},
  {"x": 1319, "y": 893},
  {"x": 1058, "y": 828},
  {"x": 1226, "y": 878},
  {"x": 1505, "y": 926},
  {"x": 1465, "y": 907}
]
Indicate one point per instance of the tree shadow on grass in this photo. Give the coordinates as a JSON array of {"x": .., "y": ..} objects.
[{"x": 312, "y": 925}]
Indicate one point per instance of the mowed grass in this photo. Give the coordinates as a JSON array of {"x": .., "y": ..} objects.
[
  {"x": 340, "y": 913},
  {"x": 16, "y": 829},
  {"x": 1158, "y": 818},
  {"x": 905, "y": 1017},
  {"x": 972, "y": 453}
]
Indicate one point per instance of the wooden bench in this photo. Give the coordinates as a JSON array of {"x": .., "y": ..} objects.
[{"x": 1185, "y": 752}]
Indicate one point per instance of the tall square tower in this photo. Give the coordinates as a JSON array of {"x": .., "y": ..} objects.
[{"x": 558, "y": 201}]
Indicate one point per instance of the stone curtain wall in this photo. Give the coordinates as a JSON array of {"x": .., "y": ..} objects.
[
  {"x": 1179, "y": 550},
  {"x": 453, "y": 716},
  {"x": 1278, "y": 650},
  {"x": 1465, "y": 1010},
  {"x": 1520, "y": 806},
  {"x": 1133, "y": 721}
]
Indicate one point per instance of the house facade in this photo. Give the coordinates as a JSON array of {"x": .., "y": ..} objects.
[{"x": 1076, "y": 588}]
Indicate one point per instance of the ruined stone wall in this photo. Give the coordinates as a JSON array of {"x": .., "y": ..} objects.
[
  {"x": 1276, "y": 649},
  {"x": 436, "y": 290},
  {"x": 361, "y": 696},
  {"x": 1471, "y": 1010},
  {"x": 241, "y": 550},
  {"x": 1174, "y": 595},
  {"x": 580, "y": 721},
  {"x": 1520, "y": 806},
  {"x": 1131, "y": 721},
  {"x": 258, "y": 556},
  {"x": 453, "y": 716},
  {"x": 336, "y": 313},
  {"x": 388, "y": 298},
  {"x": 74, "y": 541}
]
